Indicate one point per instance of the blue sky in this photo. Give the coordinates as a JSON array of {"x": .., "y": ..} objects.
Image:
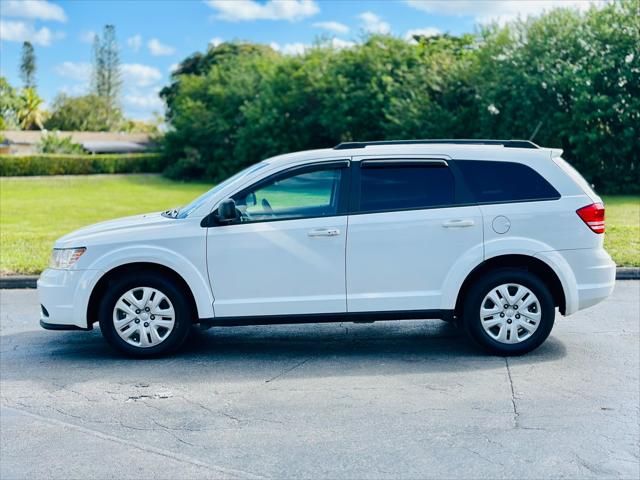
[{"x": 155, "y": 35}]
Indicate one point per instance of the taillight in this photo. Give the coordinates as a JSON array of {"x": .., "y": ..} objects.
[{"x": 593, "y": 216}]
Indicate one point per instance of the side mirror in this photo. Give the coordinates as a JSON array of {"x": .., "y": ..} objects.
[{"x": 227, "y": 211}]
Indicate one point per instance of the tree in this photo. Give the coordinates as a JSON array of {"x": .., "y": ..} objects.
[
  {"x": 215, "y": 98},
  {"x": 97, "y": 72},
  {"x": 9, "y": 103},
  {"x": 571, "y": 76},
  {"x": 199, "y": 64},
  {"x": 29, "y": 114},
  {"x": 2, "y": 127},
  {"x": 83, "y": 113},
  {"x": 28, "y": 66},
  {"x": 577, "y": 75},
  {"x": 107, "y": 79}
]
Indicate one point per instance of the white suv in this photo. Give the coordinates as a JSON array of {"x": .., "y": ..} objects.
[{"x": 491, "y": 234}]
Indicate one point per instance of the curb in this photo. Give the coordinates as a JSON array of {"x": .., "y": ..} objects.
[
  {"x": 18, "y": 281},
  {"x": 628, "y": 273},
  {"x": 29, "y": 281}
]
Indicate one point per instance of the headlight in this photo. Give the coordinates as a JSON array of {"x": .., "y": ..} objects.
[{"x": 63, "y": 258}]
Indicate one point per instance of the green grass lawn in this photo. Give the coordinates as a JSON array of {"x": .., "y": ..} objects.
[
  {"x": 622, "y": 238},
  {"x": 35, "y": 211}
]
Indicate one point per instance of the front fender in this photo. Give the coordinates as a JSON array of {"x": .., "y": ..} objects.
[{"x": 193, "y": 276}]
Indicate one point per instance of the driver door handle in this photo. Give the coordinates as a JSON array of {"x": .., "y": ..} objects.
[{"x": 324, "y": 232}]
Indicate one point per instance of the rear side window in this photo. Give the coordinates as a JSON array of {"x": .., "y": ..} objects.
[
  {"x": 576, "y": 177},
  {"x": 404, "y": 187},
  {"x": 495, "y": 182}
]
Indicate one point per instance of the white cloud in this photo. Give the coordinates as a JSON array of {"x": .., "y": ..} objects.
[
  {"x": 33, "y": 9},
  {"x": 335, "y": 27},
  {"x": 339, "y": 44},
  {"x": 173, "y": 67},
  {"x": 245, "y": 10},
  {"x": 157, "y": 48},
  {"x": 135, "y": 42},
  {"x": 140, "y": 75},
  {"x": 290, "y": 48},
  {"x": 133, "y": 74},
  {"x": 88, "y": 36},
  {"x": 15, "y": 31},
  {"x": 372, "y": 23},
  {"x": 215, "y": 41},
  {"x": 485, "y": 11},
  {"x": 80, "y": 71},
  {"x": 141, "y": 100},
  {"x": 140, "y": 86},
  {"x": 424, "y": 32},
  {"x": 75, "y": 89},
  {"x": 298, "y": 48}
]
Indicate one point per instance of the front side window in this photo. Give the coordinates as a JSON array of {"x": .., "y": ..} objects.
[
  {"x": 387, "y": 186},
  {"x": 297, "y": 195},
  {"x": 495, "y": 182}
]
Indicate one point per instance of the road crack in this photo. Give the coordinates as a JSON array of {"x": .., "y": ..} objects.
[
  {"x": 514, "y": 404},
  {"x": 287, "y": 370}
]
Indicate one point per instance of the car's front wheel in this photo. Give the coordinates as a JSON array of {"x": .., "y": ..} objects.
[
  {"x": 144, "y": 315},
  {"x": 509, "y": 312}
]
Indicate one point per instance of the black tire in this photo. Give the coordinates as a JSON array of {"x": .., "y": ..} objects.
[
  {"x": 178, "y": 299},
  {"x": 477, "y": 293}
]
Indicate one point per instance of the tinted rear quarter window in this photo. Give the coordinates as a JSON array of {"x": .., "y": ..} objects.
[
  {"x": 495, "y": 182},
  {"x": 402, "y": 187}
]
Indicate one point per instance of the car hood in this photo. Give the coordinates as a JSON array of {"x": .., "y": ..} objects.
[{"x": 78, "y": 238}]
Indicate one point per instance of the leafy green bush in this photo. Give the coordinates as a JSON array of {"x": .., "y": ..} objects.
[
  {"x": 51, "y": 164},
  {"x": 52, "y": 143},
  {"x": 571, "y": 77},
  {"x": 85, "y": 113}
]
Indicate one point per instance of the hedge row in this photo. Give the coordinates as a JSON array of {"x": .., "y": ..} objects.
[{"x": 56, "y": 164}]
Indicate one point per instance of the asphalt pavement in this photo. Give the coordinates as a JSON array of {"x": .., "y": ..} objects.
[{"x": 407, "y": 399}]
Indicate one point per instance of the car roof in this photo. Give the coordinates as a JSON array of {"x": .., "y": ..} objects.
[{"x": 446, "y": 150}]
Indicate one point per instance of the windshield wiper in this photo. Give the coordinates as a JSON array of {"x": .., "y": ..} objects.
[{"x": 171, "y": 213}]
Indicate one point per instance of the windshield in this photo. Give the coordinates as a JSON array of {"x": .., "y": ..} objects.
[{"x": 205, "y": 197}]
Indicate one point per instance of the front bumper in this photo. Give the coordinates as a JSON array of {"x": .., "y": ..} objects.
[
  {"x": 63, "y": 296},
  {"x": 59, "y": 326}
]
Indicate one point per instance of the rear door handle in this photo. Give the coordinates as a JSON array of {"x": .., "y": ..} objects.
[
  {"x": 324, "y": 232},
  {"x": 458, "y": 223}
]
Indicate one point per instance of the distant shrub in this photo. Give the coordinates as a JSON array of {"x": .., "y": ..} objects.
[
  {"x": 85, "y": 113},
  {"x": 53, "y": 143},
  {"x": 52, "y": 164}
]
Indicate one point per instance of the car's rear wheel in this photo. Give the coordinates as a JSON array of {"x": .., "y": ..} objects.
[
  {"x": 509, "y": 312},
  {"x": 144, "y": 315}
]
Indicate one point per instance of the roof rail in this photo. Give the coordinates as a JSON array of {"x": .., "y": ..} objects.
[{"x": 504, "y": 143}]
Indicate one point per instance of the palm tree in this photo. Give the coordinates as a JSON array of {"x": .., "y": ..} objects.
[{"x": 29, "y": 113}]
